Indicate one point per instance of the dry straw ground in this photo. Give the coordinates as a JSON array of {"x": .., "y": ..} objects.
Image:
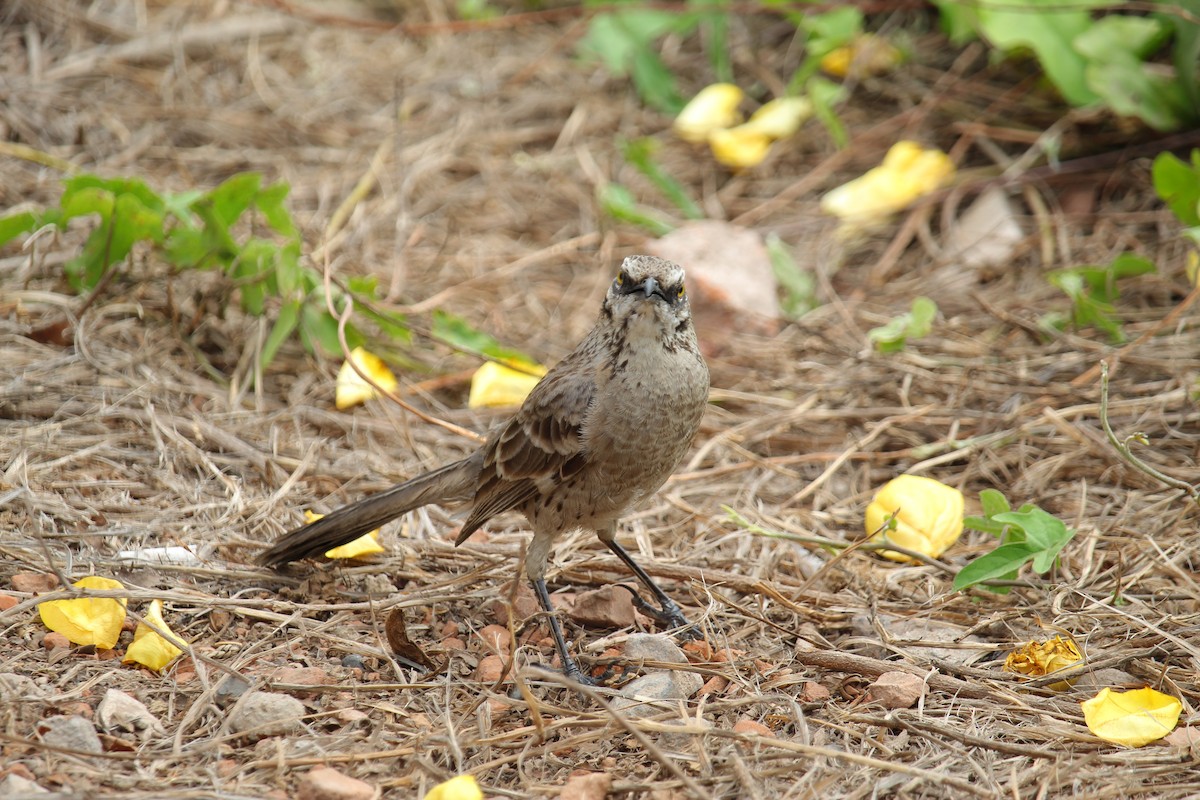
[{"x": 148, "y": 431}]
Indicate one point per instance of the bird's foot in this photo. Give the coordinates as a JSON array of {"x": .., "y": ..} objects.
[{"x": 669, "y": 616}]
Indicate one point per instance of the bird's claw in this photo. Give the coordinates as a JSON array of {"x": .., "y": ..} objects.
[{"x": 669, "y": 616}]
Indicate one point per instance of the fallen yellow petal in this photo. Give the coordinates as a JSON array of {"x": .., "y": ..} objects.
[
  {"x": 714, "y": 107},
  {"x": 1132, "y": 718},
  {"x": 496, "y": 384},
  {"x": 87, "y": 620},
  {"x": 908, "y": 172},
  {"x": 149, "y": 648},
  {"x": 1037, "y": 659},
  {"x": 351, "y": 388},
  {"x": 778, "y": 118},
  {"x": 868, "y": 54},
  {"x": 462, "y": 787},
  {"x": 364, "y": 545},
  {"x": 739, "y": 148},
  {"x": 929, "y": 515}
]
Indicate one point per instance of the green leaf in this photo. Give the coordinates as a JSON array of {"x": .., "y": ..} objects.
[
  {"x": 825, "y": 95},
  {"x": 716, "y": 26},
  {"x": 180, "y": 205},
  {"x": 984, "y": 525},
  {"x": 270, "y": 202},
  {"x": 993, "y": 502},
  {"x": 615, "y": 38},
  {"x": 14, "y": 225},
  {"x": 959, "y": 21},
  {"x": 285, "y": 323},
  {"x": 655, "y": 83},
  {"x": 915, "y": 323},
  {"x": 1178, "y": 185},
  {"x": 113, "y": 186},
  {"x": 390, "y": 324},
  {"x": 230, "y": 200},
  {"x": 1130, "y": 88},
  {"x": 799, "y": 286},
  {"x": 1048, "y": 28},
  {"x": 457, "y": 332},
  {"x": 618, "y": 203},
  {"x": 186, "y": 247},
  {"x": 1042, "y": 529},
  {"x": 86, "y": 200},
  {"x": 1002, "y": 563},
  {"x": 319, "y": 331},
  {"x": 1186, "y": 52},
  {"x": 364, "y": 286},
  {"x": 640, "y": 153},
  {"x": 1119, "y": 36}
]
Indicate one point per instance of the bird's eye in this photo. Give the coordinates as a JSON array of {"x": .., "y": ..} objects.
[
  {"x": 680, "y": 293},
  {"x": 620, "y": 281}
]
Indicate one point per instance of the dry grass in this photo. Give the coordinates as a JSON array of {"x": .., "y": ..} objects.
[{"x": 146, "y": 433}]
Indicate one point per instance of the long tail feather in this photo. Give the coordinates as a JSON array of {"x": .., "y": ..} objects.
[{"x": 455, "y": 482}]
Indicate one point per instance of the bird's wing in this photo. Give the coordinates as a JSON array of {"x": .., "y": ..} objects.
[{"x": 542, "y": 442}]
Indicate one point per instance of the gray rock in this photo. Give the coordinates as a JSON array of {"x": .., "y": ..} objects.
[
  {"x": 15, "y": 688},
  {"x": 653, "y": 647},
  {"x": 71, "y": 733},
  {"x": 230, "y": 687},
  {"x": 659, "y": 691},
  {"x": 266, "y": 714},
  {"x": 120, "y": 713},
  {"x": 14, "y": 787}
]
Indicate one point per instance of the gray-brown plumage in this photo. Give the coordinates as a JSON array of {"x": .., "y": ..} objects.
[{"x": 599, "y": 433}]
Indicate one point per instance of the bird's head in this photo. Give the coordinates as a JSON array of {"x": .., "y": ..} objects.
[{"x": 648, "y": 294}]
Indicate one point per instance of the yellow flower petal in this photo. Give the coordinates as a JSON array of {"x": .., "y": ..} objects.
[
  {"x": 929, "y": 515},
  {"x": 1131, "y": 718},
  {"x": 739, "y": 148},
  {"x": 87, "y": 620},
  {"x": 364, "y": 545},
  {"x": 500, "y": 385},
  {"x": 462, "y": 787},
  {"x": 868, "y": 54},
  {"x": 148, "y": 647},
  {"x": 1042, "y": 658},
  {"x": 713, "y": 108},
  {"x": 908, "y": 172},
  {"x": 779, "y": 118},
  {"x": 351, "y": 388}
]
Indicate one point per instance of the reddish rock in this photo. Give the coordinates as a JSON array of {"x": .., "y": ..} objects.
[
  {"x": 326, "y": 783},
  {"x": 54, "y": 640},
  {"x": 586, "y": 786},
  {"x": 609, "y": 607},
  {"x": 490, "y": 669},
  {"x": 7, "y": 601},
  {"x": 495, "y": 639},
  {"x": 714, "y": 685},
  {"x": 303, "y": 676},
  {"x": 896, "y": 690},
  {"x": 752, "y": 727},
  {"x": 34, "y": 582}
]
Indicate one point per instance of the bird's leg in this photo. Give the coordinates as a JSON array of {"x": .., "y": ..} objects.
[
  {"x": 669, "y": 613},
  {"x": 570, "y": 668}
]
